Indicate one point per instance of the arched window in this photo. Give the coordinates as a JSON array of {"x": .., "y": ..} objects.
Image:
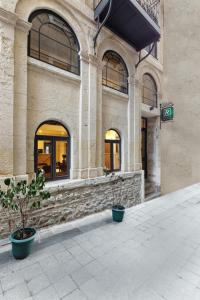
[
  {"x": 112, "y": 151},
  {"x": 52, "y": 150},
  {"x": 115, "y": 74},
  {"x": 53, "y": 41},
  {"x": 149, "y": 90}
]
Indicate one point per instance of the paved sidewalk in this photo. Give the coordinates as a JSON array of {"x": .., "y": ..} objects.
[{"x": 153, "y": 255}]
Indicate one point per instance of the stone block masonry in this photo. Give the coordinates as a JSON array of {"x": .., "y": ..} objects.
[{"x": 75, "y": 199}]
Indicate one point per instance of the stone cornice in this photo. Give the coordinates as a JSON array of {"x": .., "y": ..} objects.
[
  {"x": 13, "y": 19},
  {"x": 23, "y": 25},
  {"x": 8, "y": 17}
]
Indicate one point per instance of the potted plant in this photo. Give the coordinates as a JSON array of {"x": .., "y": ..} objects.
[
  {"x": 118, "y": 209},
  {"x": 18, "y": 200}
]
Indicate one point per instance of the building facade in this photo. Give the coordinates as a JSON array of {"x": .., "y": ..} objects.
[
  {"x": 77, "y": 106},
  {"x": 180, "y": 138}
]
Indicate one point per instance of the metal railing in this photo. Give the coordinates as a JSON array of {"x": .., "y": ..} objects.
[{"x": 152, "y": 8}]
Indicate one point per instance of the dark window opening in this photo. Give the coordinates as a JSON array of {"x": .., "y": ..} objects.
[
  {"x": 154, "y": 52},
  {"x": 149, "y": 91},
  {"x": 144, "y": 146}
]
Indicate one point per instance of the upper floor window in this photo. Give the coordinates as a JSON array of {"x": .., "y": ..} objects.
[
  {"x": 149, "y": 90},
  {"x": 154, "y": 51},
  {"x": 53, "y": 41},
  {"x": 115, "y": 74}
]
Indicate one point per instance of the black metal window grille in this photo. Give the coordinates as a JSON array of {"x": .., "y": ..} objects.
[
  {"x": 115, "y": 74},
  {"x": 149, "y": 91},
  {"x": 154, "y": 52},
  {"x": 52, "y": 40},
  {"x": 152, "y": 8}
]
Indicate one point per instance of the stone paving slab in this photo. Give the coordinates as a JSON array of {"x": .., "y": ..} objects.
[{"x": 153, "y": 255}]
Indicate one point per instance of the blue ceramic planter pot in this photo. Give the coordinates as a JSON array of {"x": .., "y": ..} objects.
[
  {"x": 22, "y": 248},
  {"x": 118, "y": 213}
]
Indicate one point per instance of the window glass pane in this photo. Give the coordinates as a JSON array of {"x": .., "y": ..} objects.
[
  {"x": 149, "y": 91},
  {"x": 115, "y": 74},
  {"x": 116, "y": 156},
  {"x": 112, "y": 135},
  {"x": 107, "y": 156},
  {"x": 52, "y": 130},
  {"x": 61, "y": 158},
  {"x": 44, "y": 157},
  {"x": 52, "y": 41}
]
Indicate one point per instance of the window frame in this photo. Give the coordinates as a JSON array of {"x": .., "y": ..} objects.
[
  {"x": 126, "y": 91},
  {"x": 43, "y": 11},
  {"x": 145, "y": 100},
  {"x": 53, "y": 140}
]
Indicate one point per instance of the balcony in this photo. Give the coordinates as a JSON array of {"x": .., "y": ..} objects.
[{"x": 135, "y": 21}]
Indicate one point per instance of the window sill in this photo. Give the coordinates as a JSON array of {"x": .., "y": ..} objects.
[
  {"x": 54, "y": 71},
  {"x": 115, "y": 93},
  {"x": 65, "y": 184}
]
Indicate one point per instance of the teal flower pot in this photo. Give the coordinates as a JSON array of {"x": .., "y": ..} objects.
[
  {"x": 22, "y": 248},
  {"x": 118, "y": 213}
]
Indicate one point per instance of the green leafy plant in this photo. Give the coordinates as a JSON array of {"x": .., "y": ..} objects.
[{"x": 20, "y": 198}]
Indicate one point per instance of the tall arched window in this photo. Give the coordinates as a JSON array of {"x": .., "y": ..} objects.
[
  {"x": 52, "y": 150},
  {"x": 53, "y": 41},
  {"x": 112, "y": 151},
  {"x": 115, "y": 73},
  {"x": 149, "y": 90}
]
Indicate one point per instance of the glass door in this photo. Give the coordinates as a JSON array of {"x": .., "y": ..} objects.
[
  {"x": 44, "y": 157},
  {"x": 61, "y": 158}
]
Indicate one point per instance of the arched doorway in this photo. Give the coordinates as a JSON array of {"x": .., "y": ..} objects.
[
  {"x": 112, "y": 151},
  {"x": 52, "y": 150}
]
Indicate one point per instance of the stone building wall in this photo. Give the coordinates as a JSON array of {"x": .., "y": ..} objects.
[
  {"x": 77, "y": 199},
  {"x": 33, "y": 92},
  {"x": 180, "y": 142}
]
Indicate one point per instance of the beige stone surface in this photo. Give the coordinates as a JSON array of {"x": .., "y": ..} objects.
[{"x": 180, "y": 138}]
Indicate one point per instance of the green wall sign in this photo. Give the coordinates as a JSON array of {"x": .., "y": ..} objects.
[{"x": 167, "y": 113}]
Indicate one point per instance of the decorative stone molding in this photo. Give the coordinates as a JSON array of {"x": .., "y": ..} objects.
[
  {"x": 131, "y": 79},
  {"x": 23, "y": 25},
  {"x": 84, "y": 56},
  {"x": 93, "y": 60},
  {"x": 8, "y": 17}
]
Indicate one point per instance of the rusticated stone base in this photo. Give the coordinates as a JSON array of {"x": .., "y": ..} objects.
[{"x": 75, "y": 199}]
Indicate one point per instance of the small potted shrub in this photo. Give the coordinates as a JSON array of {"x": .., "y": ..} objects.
[
  {"x": 17, "y": 201},
  {"x": 118, "y": 209}
]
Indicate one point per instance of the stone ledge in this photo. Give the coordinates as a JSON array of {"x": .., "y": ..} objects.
[
  {"x": 116, "y": 94},
  {"x": 78, "y": 183},
  {"x": 41, "y": 66}
]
